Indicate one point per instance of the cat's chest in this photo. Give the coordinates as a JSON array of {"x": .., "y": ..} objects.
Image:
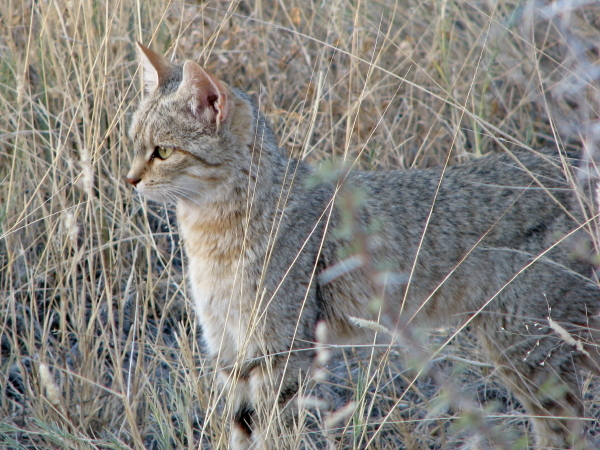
[
  {"x": 219, "y": 296},
  {"x": 219, "y": 304}
]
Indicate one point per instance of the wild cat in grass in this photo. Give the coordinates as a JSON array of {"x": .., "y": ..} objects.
[{"x": 486, "y": 244}]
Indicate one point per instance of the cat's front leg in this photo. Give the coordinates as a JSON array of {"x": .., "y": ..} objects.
[
  {"x": 259, "y": 404},
  {"x": 273, "y": 388},
  {"x": 242, "y": 426},
  {"x": 253, "y": 409},
  {"x": 240, "y": 409}
]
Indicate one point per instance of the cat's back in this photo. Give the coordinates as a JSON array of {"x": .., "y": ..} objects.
[
  {"x": 463, "y": 234},
  {"x": 509, "y": 200}
]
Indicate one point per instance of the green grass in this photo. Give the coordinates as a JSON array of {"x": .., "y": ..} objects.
[{"x": 92, "y": 277}]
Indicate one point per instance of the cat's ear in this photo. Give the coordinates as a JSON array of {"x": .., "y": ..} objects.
[
  {"x": 207, "y": 94},
  {"x": 156, "y": 68}
]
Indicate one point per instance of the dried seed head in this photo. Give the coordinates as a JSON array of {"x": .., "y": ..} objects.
[
  {"x": 323, "y": 353},
  {"x": 86, "y": 182},
  {"x": 71, "y": 228},
  {"x": 52, "y": 390},
  {"x": 20, "y": 89},
  {"x": 310, "y": 402},
  {"x": 340, "y": 415}
]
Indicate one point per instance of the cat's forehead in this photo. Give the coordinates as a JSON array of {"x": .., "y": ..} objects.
[
  {"x": 140, "y": 118},
  {"x": 158, "y": 102},
  {"x": 163, "y": 120}
]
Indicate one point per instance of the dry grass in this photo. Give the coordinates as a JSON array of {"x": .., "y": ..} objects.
[{"x": 98, "y": 343}]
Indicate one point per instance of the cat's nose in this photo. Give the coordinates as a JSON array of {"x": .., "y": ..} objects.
[{"x": 133, "y": 181}]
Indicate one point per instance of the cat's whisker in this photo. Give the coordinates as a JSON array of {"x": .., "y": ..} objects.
[
  {"x": 188, "y": 193},
  {"x": 186, "y": 189},
  {"x": 178, "y": 190}
]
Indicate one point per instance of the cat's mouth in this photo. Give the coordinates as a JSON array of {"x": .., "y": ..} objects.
[
  {"x": 147, "y": 190},
  {"x": 152, "y": 193}
]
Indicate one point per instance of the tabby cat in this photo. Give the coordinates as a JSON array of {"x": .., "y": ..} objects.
[{"x": 488, "y": 244}]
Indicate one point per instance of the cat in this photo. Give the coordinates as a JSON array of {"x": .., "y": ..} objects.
[{"x": 273, "y": 249}]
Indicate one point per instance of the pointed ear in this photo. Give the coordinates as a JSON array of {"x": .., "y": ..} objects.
[
  {"x": 208, "y": 97},
  {"x": 156, "y": 68}
]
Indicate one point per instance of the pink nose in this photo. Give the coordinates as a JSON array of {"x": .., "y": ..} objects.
[{"x": 133, "y": 181}]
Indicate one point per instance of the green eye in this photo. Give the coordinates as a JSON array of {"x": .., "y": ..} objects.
[{"x": 162, "y": 152}]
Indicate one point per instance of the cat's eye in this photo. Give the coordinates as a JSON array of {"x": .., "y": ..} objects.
[{"x": 163, "y": 152}]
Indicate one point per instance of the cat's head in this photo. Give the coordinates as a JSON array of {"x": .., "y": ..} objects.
[{"x": 192, "y": 134}]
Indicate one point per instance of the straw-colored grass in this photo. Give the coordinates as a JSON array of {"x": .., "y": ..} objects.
[{"x": 99, "y": 347}]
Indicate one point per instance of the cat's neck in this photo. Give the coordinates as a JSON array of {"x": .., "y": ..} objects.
[
  {"x": 241, "y": 220},
  {"x": 223, "y": 231},
  {"x": 211, "y": 231}
]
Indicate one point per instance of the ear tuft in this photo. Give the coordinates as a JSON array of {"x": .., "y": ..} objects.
[
  {"x": 208, "y": 97},
  {"x": 156, "y": 68}
]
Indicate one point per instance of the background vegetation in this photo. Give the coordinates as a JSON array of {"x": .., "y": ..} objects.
[{"x": 99, "y": 348}]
